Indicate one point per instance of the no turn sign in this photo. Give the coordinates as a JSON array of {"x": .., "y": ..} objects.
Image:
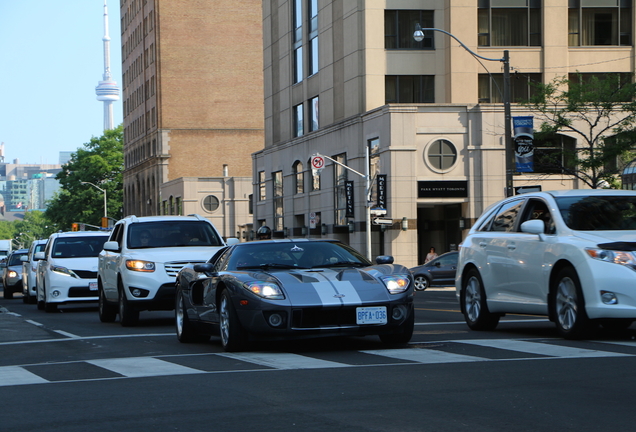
[{"x": 317, "y": 162}]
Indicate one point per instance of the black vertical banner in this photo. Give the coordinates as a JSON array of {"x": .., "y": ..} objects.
[
  {"x": 381, "y": 181},
  {"x": 349, "y": 194}
]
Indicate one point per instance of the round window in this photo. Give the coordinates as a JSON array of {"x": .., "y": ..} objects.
[
  {"x": 442, "y": 154},
  {"x": 210, "y": 203}
]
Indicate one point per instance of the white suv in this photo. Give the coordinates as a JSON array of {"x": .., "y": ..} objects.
[
  {"x": 29, "y": 267},
  {"x": 139, "y": 264},
  {"x": 570, "y": 255},
  {"x": 67, "y": 269}
]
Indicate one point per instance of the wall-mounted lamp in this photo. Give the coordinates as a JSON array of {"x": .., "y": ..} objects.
[
  {"x": 405, "y": 224},
  {"x": 462, "y": 223},
  {"x": 251, "y": 234},
  {"x": 303, "y": 231},
  {"x": 352, "y": 226},
  {"x": 323, "y": 229},
  {"x": 238, "y": 234},
  {"x": 285, "y": 232}
]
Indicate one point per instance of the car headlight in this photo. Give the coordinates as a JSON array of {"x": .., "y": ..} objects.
[
  {"x": 141, "y": 266},
  {"x": 61, "y": 270},
  {"x": 268, "y": 290},
  {"x": 616, "y": 257},
  {"x": 13, "y": 273},
  {"x": 396, "y": 284}
]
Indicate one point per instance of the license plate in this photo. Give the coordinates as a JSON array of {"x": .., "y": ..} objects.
[
  {"x": 92, "y": 286},
  {"x": 371, "y": 315}
]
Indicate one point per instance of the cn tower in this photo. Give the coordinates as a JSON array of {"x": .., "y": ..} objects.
[{"x": 107, "y": 90}]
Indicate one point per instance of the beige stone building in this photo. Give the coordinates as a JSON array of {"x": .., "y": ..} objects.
[
  {"x": 193, "y": 107},
  {"x": 347, "y": 80}
]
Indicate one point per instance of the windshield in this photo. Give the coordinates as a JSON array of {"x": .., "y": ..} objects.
[
  {"x": 172, "y": 234},
  {"x": 78, "y": 247},
  {"x": 305, "y": 255},
  {"x": 598, "y": 213},
  {"x": 15, "y": 259}
]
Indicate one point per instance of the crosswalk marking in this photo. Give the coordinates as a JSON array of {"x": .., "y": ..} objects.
[
  {"x": 540, "y": 348},
  {"x": 136, "y": 367},
  {"x": 284, "y": 360},
  {"x": 15, "y": 375},
  {"x": 143, "y": 367},
  {"x": 425, "y": 356}
]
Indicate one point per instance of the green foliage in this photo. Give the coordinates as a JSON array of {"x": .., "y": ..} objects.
[
  {"x": 33, "y": 226},
  {"x": 600, "y": 113},
  {"x": 100, "y": 162}
]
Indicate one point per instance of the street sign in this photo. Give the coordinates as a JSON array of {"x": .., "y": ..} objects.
[
  {"x": 382, "y": 221},
  {"x": 317, "y": 162}
]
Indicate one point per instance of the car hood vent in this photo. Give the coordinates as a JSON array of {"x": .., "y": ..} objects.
[{"x": 304, "y": 278}]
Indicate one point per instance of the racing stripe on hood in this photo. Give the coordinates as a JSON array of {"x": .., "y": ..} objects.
[{"x": 338, "y": 293}]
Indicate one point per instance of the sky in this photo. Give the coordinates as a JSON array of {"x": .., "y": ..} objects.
[{"x": 51, "y": 60}]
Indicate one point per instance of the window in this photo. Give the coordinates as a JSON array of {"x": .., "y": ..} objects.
[
  {"x": 442, "y": 154},
  {"x": 261, "y": 186},
  {"x": 210, "y": 203},
  {"x": 340, "y": 197},
  {"x": 506, "y": 216},
  {"x": 409, "y": 89},
  {"x": 298, "y": 120},
  {"x": 313, "y": 106},
  {"x": 313, "y": 36},
  {"x": 297, "y": 23},
  {"x": 277, "y": 178},
  {"x": 509, "y": 23},
  {"x": 554, "y": 154},
  {"x": 491, "y": 87},
  {"x": 315, "y": 178},
  {"x": 298, "y": 176},
  {"x": 596, "y": 80},
  {"x": 600, "y": 22},
  {"x": 399, "y": 26}
]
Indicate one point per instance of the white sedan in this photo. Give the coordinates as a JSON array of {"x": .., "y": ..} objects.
[{"x": 570, "y": 255}]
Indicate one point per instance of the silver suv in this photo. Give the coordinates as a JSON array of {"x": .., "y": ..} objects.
[{"x": 138, "y": 267}]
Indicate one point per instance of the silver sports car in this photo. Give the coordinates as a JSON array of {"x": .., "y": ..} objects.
[{"x": 293, "y": 288}]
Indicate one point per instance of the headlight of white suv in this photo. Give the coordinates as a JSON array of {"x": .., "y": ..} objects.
[
  {"x": 141, "y": 266},
  {"x": 616, "y": 257}
]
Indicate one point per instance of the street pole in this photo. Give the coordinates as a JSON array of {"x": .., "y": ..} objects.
[
  {"x": 104, "y": 191},
  {"x": 509, "y": 154}
]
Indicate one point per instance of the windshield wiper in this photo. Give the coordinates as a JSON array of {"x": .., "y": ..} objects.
[{"x": 342, "y": 264}]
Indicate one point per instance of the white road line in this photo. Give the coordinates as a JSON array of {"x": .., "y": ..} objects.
[
  {"x": 15, "y": 375},
  {"x": 171, "y": 334},
  {"x": 284, "y": 360},
  {"x": 35, "y": 323},
  {"x": 63, "y": 333},
  {"x": 143, "y": 367},
  {"x": 426, "y": 356},
  {"x": 540, "y": 348}
]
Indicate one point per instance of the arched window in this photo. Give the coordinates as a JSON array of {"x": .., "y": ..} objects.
[{"x": 298, "y": 178}]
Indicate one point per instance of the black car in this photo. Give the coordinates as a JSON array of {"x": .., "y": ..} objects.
[
  {"x": 438, "y": 272},
  {"x": 293, "y": 288}
]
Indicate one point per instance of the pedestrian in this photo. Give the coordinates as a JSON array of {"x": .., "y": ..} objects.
[{"x": 431, "y": 255}]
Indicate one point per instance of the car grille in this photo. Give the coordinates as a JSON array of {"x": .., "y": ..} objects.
[
  {"x": 85, "y": 274},
  {"x": 323, "y": 317},
  {"x": 172, "y": 268}
]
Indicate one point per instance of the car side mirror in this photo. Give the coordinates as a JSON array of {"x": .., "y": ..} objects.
[
  {"x": 39, "y": 255},
  {"x": 203, "y": 268},
  {"x": 3, "y": 265},
  {"x": 533, "y": 226},
  {"x": 384, "y": 259},
  {"x": 112, "y": 246},
  {"x": 24, "y": 258},
  {"x": 438, "y": 264},
  {"x": 232, "y": 241}
]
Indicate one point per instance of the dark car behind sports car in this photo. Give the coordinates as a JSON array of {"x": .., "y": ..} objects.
[
  {"x": 293, "y": 288},
  {"x": 437, "y": 272}
]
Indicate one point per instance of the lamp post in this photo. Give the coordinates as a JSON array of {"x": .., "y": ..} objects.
[
  {"x": 97, "y": 187},
  {"x": 509, "y": 155}
]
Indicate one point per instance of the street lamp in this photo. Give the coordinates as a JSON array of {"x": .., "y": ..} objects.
[
  {"x": 509, "y": 155},
  {"x": 97, "y": 187}
]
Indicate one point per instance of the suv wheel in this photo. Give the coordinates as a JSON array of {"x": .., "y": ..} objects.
[
  {"x": 473, "y": 297},
  {"x": 107, "y": 312},
  {"x": 128, "y": 315},
  {"x": 569, "y": 306}
]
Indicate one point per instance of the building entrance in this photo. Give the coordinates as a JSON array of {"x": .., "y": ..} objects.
[{"x": 438, "y": 226}]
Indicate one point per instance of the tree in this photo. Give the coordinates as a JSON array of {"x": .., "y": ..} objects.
[
  {"x": 101, "y": 162},
  {"x": 600, "y": 112},
  {"x": 33, "y": 226}
]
